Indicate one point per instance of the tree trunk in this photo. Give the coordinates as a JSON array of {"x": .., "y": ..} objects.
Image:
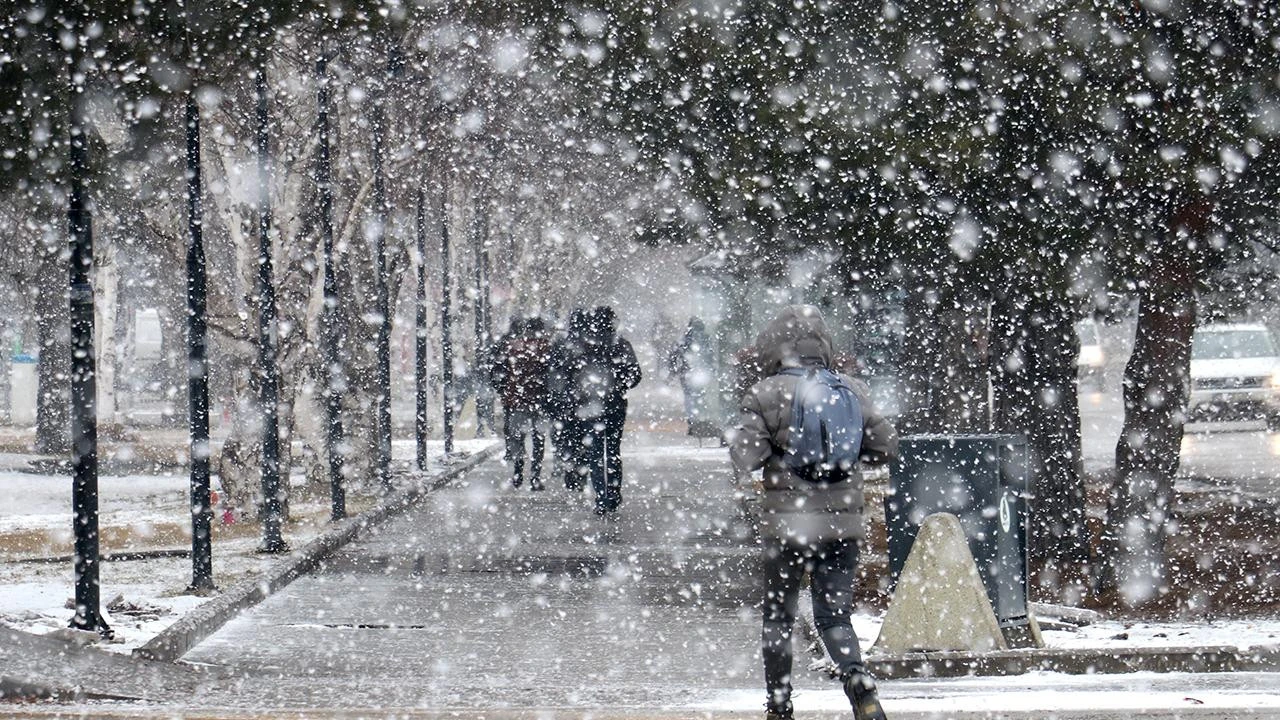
[
  {"x": 54, "y": 368},
  {"x": 107, "y": 289},
  {"x": 943, "y": 375},
  {"x": 1156, "y": 386},
  {"x": 1035, "y": 394},
  {"x": 240, "y": 461}
]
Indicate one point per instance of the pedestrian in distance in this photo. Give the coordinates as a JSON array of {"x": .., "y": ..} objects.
[
  {"x": 567, "y": 354},
  {"x": 482, "y": 380},
  {"x": 810, "y": 431},
  {"x": 519, "y": 374},
  {"x": 607, "y": 370},
  {"x": 692, "y": 361}
]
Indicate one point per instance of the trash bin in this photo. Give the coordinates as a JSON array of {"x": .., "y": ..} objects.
[
  {"x": 981, "y": 479},
  {"x": 24, "y": 388}
]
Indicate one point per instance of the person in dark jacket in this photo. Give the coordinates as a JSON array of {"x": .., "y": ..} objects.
[
  {"x": 520, "y": 376},
  {"x": 692, "y": 360},
  {"x": 806, "y": 525},
  {"x": 566, "y": 431},
  {"x": 607, "y": 370}
]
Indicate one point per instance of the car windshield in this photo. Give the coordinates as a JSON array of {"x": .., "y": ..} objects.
[{"x": 1222, "y": 344}]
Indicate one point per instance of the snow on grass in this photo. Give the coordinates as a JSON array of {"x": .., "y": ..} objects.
[
  {"x": 1129, "y": 635},
  {"x": 142, "y": 597},
  {"x": 44, "y": 501}
]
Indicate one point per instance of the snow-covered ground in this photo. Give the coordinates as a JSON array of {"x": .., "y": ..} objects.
[
  {"x": 140, "y": 597},
  {"x": 1052, "y": 694},
  {"x": 44, "y": 501},
  {"x": 1130, "y": 635}
]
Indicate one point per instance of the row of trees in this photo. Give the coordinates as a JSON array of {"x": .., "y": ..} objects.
[
  {"x": 1008, "y": 168},
  {"x": 433, "y": 126},
  {"x": 1011, "y": 167},
  {"x": 470, "y": 123}
]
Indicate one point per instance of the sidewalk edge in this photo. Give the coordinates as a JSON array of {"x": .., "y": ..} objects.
[
  {"x": 1083, "y": 661},
  {"x": 176, "y": 640}
]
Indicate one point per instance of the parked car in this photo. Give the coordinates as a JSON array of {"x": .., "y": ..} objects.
[
  {"x": 1235, "y": 373},
  {"x": 1091, "y": 362}
]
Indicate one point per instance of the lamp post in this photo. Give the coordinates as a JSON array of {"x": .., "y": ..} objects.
[
  {"x": 84, "y": 420},
  {"x": 272, "y": 513},
  {"x": 330, "y": 327},
  {"x": 421, "y": 427},
  {"x": 446, "y": 342},
  {"x": 197, "y": 361},
  {"x": 483, "y": 331},
  {"x": 382, "y": 305}
]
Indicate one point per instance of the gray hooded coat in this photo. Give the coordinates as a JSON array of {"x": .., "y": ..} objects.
[{"x": 792, "y": 509}]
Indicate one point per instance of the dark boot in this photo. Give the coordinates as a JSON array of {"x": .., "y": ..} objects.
[
  {"x": 778, "y": 712},
  {"x": 860, "y": 688}
]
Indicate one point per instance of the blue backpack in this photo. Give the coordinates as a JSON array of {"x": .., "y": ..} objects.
[{"x": 826, "y": 426}]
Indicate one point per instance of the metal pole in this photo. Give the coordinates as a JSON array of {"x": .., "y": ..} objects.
[
  {"x": 421, "y": 427},
  {"x": 487, "y": 288},
  {"x": 446, "y": 342},
  {"x": 478, "y": 372},
  {"x": 331, "y": 331},
  {"x": 197, "y": 362},
  {"x": 272, "y": 513},
  {"x": 382, "y": 302},
  {"x": 486, "y": 305},
  {"x": 84, "y": 417}
]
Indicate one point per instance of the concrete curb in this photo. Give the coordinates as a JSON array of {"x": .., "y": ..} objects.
[
  {"x": 124, "y": 556},
  {"x": 176, "y": 640},
  {"x": 1072, "y": 661},
  {"x": 36, "y": 667}
]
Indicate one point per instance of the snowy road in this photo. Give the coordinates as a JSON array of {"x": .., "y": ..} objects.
[
  {"x": 1238, "y": 455},
  {"x": 487, "y": 596}
]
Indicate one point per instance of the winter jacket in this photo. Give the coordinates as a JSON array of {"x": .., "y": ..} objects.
[
  {"x": 607, "y": 402},
  {"x": 566, "y": 354},
  {"x": 520, "y": 372},
  {"x": 692, "y": 355},
  {"x": 793, "y": 509}
]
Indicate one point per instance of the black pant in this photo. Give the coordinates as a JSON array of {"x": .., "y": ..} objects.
[
  {"x": 831, "y": 569},
  {"x": 516, "y": 425},
  {"x": 601, "y": 460},
  {"x": 566, "y": 435}
]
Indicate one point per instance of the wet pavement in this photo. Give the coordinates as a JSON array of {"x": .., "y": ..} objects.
[
  {"x": 490, "y": 596},
  {"x": 487, "y": 601}
]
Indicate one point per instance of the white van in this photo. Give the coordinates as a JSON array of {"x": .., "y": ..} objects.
[{"x": 1235, "y": 373}]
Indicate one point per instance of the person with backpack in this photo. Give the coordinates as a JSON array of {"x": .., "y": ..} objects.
[
  {"x": 519, "y": 374},
  {"x": 811, "y": 431},
  {"x": 692, "y": 360},
  {"x": 607, "y": 370},
  {"x": 566, "y": 429}
]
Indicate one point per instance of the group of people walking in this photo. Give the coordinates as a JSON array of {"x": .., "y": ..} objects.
[
  {"x": 804, "y": 431},
  {"x": 574, "y": 384}
]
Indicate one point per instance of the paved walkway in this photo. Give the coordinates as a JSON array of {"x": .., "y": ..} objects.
[
  {"x": 489, "y": 596},
  {"x": 490, "y": 602}
]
